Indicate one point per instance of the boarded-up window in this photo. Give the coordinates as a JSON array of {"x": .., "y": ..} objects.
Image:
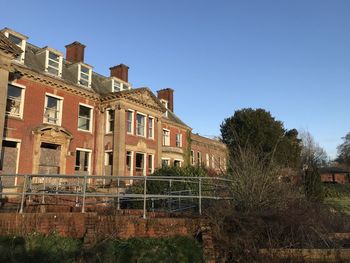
[{"x": 9, "y": 162}]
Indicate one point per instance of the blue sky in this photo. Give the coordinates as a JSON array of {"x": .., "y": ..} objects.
[{"x": 290, "y": 57}]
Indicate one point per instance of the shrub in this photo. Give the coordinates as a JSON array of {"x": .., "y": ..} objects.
[{"x": 313, "y": 186}]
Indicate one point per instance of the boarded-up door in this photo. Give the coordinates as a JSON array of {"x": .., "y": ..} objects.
[{"x": 49, "y": 158}]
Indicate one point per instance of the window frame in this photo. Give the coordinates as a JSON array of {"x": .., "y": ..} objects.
[
  {"x": 150, "y": 170},
  {"x": 109, "y": 129},
  {"x": 165, "y": 103},
  {"x": 178, "y": 143},
  {"x": 132, "y": 121},
  {"x": 89, "y": 151},
  {"x": 60, "y": 62},
  {"x": 60, "y": 110},
  {"x": 18, "y": 146},
  {"x": 144, "y": 124},
  {"x": 167, "y": 160},
  {"x": 21, "y": 106},
  {"x": 91, "y": 117},
  {"x": 80, "y": 65},
  {"x": 150, "y": 130},
  {"x": 199, "y": 158},
  {"x": 20, "y": 58},
  {"x": 131, "y": 161},
  {"x": 178, "y": 160},
  {"x": 107, "y": 152},
  {"x": 166, "y": 142},
  {"x": 144, "y": 163},
  {"x": 192, "y": 158}
]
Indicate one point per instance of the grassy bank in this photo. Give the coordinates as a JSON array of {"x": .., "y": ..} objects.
[{"x": 53, "y": 248}]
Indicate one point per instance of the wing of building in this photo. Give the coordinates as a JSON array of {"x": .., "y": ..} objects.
[{"x": 58, "y": 116}]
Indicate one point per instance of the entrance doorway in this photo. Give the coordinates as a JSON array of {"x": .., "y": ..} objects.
[{"x": 49, "y": 162}]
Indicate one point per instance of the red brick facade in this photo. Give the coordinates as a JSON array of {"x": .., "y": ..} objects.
[{"x": 64, "y": 118}]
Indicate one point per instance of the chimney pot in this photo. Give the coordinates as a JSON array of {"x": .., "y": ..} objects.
[
  {"x": 75, "y": 52},
  {"x": 120, "y": 71}
]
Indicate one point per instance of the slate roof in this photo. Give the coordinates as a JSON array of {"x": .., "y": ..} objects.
[
  {"x": 332, "y": 170},
  {"x": 98, "y": 81}
]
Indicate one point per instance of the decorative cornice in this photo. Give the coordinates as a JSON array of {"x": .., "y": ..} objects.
[{"x": 57, "y": 83}]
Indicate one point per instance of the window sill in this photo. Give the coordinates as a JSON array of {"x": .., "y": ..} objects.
[
  {"x": 20, "y": 118},
  {"x": 50, "y": 123},
  {"x": 86, "y": 131}
]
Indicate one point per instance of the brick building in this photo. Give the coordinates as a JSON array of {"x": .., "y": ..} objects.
[{"x": 58, "y": 116}]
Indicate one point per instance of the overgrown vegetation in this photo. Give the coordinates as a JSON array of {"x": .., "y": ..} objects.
[
  {"x": 53, "y": 248},
  {"x": 177, "y": 249},
  {"x": 39, "y": 248},
  {"x": 269, "y": 212}
]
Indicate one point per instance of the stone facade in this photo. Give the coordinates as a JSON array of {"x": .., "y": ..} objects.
[{"x": 61, "y": 117}]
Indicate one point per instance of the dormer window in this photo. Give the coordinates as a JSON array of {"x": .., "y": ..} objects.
[
  {"x": 84, "y": 77},
  {"x": 53, "y": 64},
  {"x": 18, "y": 39},
  {"x": 117, "y": 86},
  {"x": 165, "y": 104}
]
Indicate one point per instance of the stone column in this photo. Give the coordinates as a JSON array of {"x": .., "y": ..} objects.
[
  {"x": 100, "y": 127},
  {"x": 119, "y": 141},
  {"x": 5, "y": 63}
]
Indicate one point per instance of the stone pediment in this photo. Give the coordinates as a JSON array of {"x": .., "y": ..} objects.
[
  {"x": 144, "y": 97},
  {"x": 53, "y": 134}
]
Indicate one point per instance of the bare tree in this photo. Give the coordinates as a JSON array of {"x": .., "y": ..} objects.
[{"x": 312, "y": 152}]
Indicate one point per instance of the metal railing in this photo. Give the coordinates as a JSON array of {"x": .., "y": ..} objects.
[{"x": 114, "y": 189}]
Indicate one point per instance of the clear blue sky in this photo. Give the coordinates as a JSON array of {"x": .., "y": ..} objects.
[{"x": 291, "y": 57}]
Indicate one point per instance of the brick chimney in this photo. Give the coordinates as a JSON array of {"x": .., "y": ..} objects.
[
  {"x": 121, "y": 72},
  {"x": 168, "y": 95},
  {"x": 75, "y": 52}
]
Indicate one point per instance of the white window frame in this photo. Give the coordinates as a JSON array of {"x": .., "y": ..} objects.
[
  {"x": 144, "y": 125},
  {"x": 89, "y": 158},
  {"x": 18, "y": 146},
  {"x": 166, "y": 142},
  {"x": 114, "y": 81},
  {"x": 60, "y": 110},
  {"x": 144, "y": 172},
  {"x": 150, "y": 134},
  {"x": 165, "y": 104},
  {"x": 20, "y": 58},
  {"x": 21, "y": 106},
  {"x": 108, "y": 124},
  {"x": 207, "y": 159},
  {"x": 131, "y": 161},
  {"x": 178, "y": 160},
  {"x": 132, "y": 121},
  {"x": 152, "y": 169},
  {"x": 213, "y": 161},
  {"x": 89, "y": 75},
  {"x": 192, "y": 158},
  {"x": 199, "y": 158},
  {"x": 106, "y": 156},
  {"x": 166, "y": 159},
  {"x": 178, "y": 142},
  {"x": 91, "y": 117},
  {"x": 60, "y": 60}
]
